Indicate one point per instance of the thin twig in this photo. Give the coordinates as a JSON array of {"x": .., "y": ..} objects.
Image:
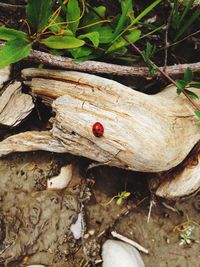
[
  {"x": 164, "y": 73},
  {"x": 130, "y": 242}
]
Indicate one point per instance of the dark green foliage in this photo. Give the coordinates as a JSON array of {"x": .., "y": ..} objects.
[
  {"x": 82, "y": 27},
  {"x": 182, "y": 85},
  {"x": 38, "y": 13}
]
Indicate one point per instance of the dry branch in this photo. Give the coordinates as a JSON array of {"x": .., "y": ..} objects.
[
  {"x": 31, "y": 141},
  {"x": 106, "y": 68}
]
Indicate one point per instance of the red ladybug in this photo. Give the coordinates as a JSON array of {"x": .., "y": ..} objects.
[{"x": 98, "y": 129}]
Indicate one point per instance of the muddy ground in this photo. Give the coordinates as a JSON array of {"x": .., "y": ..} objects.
[{"x": 35, "y": 223}]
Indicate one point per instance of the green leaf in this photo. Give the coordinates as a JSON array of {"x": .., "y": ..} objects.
[
  {"x": 188, "y": 75},
  {"x": 80, "y": 52},
  {"x": 105, "y": 34},
  {"x": 38, "y": 13},
  {"x": 119, "y": 201},
  {"x": 187, "y": 24},
  {"x": 139, "y": 17},
  {"x": 197, "y": 113},
  {"x": 73, "y": 15},
  {"x": 191, "y": 94},
  {"x": 92, "y": 36},
  {"x": 92, "y": 17},
  {"x": 123, "y": 18},
  {"x": 56, "y": 27},
  {"x": 178, "y": 91},
  {"x": 195, "y": 85},
  {"x": 132, "y": 37},
  {"x": 14, "y": 51},
  {"x": 181, "y": 84},
  {"x": 186, "y": 9},
  {"x": 64, "y": 8},
  {"x": 67, "y": 32},
  {"x": 8, "y": 34},
  {"x": 62, "y": 42},
  {"x": 130, "y": 12}
]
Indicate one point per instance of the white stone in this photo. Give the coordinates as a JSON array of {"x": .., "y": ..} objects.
[
  {"x": 62, "y": 180},
  {"x": 119, "y": 254},
  {"x": 77, "y": 227}
]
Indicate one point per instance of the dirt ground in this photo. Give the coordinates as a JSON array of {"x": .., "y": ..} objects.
[{"x": 35, "y": 223}]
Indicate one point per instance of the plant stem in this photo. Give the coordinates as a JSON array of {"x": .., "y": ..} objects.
[{"x": 164, "y": 74}]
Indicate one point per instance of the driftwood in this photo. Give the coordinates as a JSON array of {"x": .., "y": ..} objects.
[
  {"x": 138, "y": 127},
  {"x": 31, "y": 141},
  {"x": 106, "y": 68},
  {"x": 149, "y": 133},
  {"x": 4, "y": 75},
  {"x": 182, "y": 180},
  {"x": 15, "y": 106}
]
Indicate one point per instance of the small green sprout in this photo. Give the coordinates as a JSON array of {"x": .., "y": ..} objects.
[
  {"x": 121, "y": 197},
  {"x": 185, "y": 235},
  {"x": 185, "y": 230}
]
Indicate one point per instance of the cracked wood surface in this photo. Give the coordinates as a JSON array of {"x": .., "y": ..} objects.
[
  {"x": 150, "y": 133},
  {"x": 15, "y": 106}
]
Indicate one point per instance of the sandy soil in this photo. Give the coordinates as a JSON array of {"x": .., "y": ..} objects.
[{"x": 35, "y": 223}]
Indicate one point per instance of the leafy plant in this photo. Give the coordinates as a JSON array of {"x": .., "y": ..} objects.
[
  {"x": 17, "y": 46},
  {"x": 121, "y": 197},
  {"x": 182, "y": 85},
  {"x": 185, "y": 230},
  {"x": 181, "y": 19},
  {"x": 147, "y": 55},
  {"x": 74, "y": 28}
]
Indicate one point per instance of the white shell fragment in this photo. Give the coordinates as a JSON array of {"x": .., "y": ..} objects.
[
  {"x": 62, "y": 180},
  {"x": 4, "y": 75},
  {"x": 36, "y": 265},
  {"x": 77, "y": 227},
  {"x": 119, "y": 254}
]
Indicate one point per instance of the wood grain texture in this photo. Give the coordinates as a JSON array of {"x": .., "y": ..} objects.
[
  {"x": 148, "y": 133},
  {"x": 142, "y": 132},
  {"x": 15, "y": 106}
]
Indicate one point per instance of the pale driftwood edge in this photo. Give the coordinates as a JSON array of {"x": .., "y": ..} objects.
[
  {"x": 15, "y": 106},
  {"x": 142, "y": 132}
]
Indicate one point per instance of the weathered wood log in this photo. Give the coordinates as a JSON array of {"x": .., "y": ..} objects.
[
  {"x": 149, "y": 133},
  {"x": 15, "y": 106},
  {"x": 142, "y": 132}
]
